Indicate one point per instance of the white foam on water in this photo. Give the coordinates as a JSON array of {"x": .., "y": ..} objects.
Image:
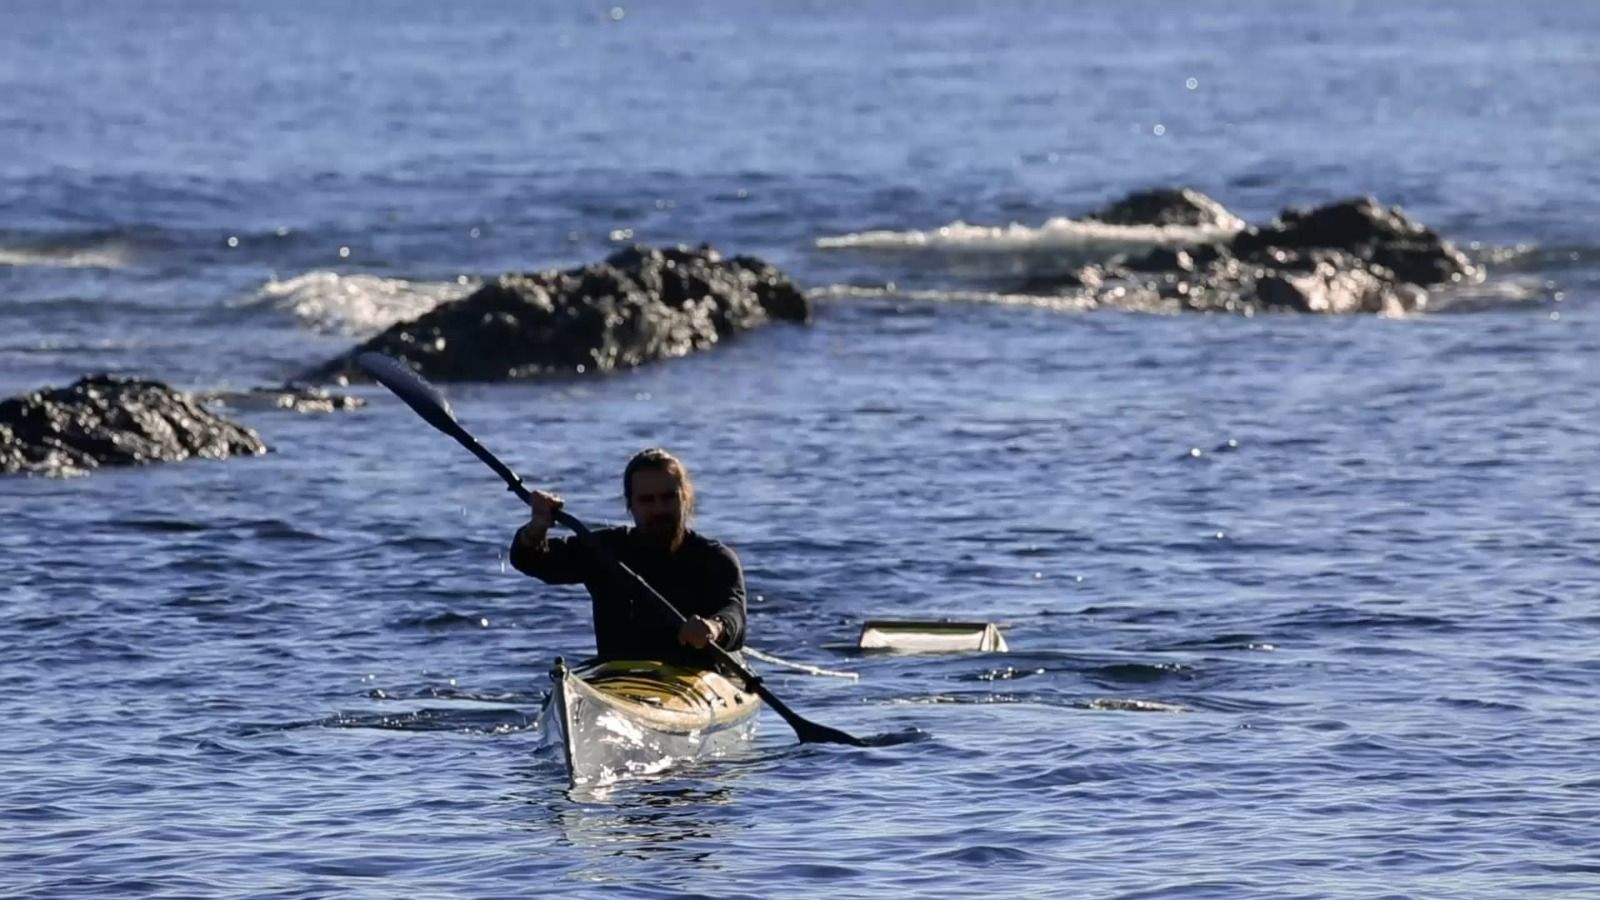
[
  {"x": 111, "y": 256},
  {"x": 1056, "y": 233},
  {"x": 1493, "y": 293},
  {"x": 357, "y": 304},
  {"x": 1081, "y": 301}
]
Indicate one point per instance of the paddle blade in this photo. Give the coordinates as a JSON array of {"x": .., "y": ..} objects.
[
  {"x": 807, "y": 731},
  {"x": 427, "y": 402},
  {"x": 411, "y": 388}
]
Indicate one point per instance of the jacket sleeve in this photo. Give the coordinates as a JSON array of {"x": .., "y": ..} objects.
[
  {"x": 552, "y": 560},
  {"x": 729, "y": 606}
]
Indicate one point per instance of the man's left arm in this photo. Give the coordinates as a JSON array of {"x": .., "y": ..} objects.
[
  {"x": 720, "y": 614},
  {"x": 728, "y": 611}
]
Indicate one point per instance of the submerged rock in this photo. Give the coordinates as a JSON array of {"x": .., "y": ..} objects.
[
  {"x": 639, "y": 306},
  {"x": 1168, "y": 206},
  {"x": 105, "y": 420},
  {"x": 298, "y": 398},
  {"x": 1353, "y": 256}
]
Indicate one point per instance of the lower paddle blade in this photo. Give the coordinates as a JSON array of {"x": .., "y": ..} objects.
[
  {"x": 807, "y": 731},
  {"x": 813, "y": 733},
  {"x": 904, "y": 736}
]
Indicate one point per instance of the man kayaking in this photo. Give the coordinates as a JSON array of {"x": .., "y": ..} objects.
[{"x": 700, "y": 576}]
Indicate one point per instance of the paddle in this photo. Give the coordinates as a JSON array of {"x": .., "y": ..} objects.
[{"x": 432, "y": 407}]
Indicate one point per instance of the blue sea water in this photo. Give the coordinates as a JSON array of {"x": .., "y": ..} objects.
[{"x": 1298, "y": 606}]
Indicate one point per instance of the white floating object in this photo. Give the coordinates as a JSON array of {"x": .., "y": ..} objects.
[{"x": 910, "y": 636}]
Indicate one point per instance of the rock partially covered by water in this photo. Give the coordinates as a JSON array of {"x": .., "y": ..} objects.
[
  {"x": 1353, "y": 256},
  {"x": 105, "y": 420},
  {"x": 1379, "y": 238},
  {"x": 639, "y": 306},
  {"x": 300, "y": 398},
  {"x": 1169, "y": 206}
]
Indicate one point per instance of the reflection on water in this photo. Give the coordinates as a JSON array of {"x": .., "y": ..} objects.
[
  {"x": 681, "y": 824},
  {"x": 460, "y": 721},
  {"x": 651, "y": 818}
]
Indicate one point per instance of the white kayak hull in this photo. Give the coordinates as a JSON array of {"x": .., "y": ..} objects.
[{"x": 626, "y": 718}]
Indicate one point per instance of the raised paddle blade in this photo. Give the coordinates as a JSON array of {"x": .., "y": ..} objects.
[
  {"x": 426, "y": 401},
  {"x": 410, "y": 387}
]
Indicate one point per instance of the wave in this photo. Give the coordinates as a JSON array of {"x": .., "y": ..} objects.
[
  {"x": 107, "y": 253},
  {"x": 1513, "y": 292},
  {"x": 356, "y": 304},
  {"x": 1056, "y": 234},
  {"x": 1494, "y": 293},
  {"x": 1066, "y": 303},
  {"x": 426, "y": 719}
]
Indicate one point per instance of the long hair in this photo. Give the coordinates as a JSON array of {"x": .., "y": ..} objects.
[{"x": 657, "y": 458}]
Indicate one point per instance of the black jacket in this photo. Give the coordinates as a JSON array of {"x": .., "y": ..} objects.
[{"x": 701, "y": 578}]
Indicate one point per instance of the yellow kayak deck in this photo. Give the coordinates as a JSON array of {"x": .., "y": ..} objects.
[
  {"x": 660, "y": 697},
  {"x": 665, "y": 687}
]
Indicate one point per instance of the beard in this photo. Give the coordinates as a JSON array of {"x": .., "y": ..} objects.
[{"x": 666, "y": 532}]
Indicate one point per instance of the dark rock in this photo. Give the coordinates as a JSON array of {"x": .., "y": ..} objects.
[
  {"x": 1326, "y": 290},
  {"x": 1366, "y": 230},
  {"x": 1205, "y": 254},
  {"x": 639, "y": 306},
  {"x": 1353, "y": 256},
  {"x": 1162, "y": 207},
  {"x": 1162, "y": 259},
  {"x": 1086, "y": 277},
  {"x": 1427, "y": 261},
  {"x": 104, "y": 420},
  {"x": 777, "y": 294},
  {"x": 1346, "y": 224},
  {"x": 1168, "y": 206}
]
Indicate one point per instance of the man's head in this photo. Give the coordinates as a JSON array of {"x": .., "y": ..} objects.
[{"x": 659, "y": 495}]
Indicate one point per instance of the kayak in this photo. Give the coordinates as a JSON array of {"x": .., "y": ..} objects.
[{"x": 633, "y": 717}]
